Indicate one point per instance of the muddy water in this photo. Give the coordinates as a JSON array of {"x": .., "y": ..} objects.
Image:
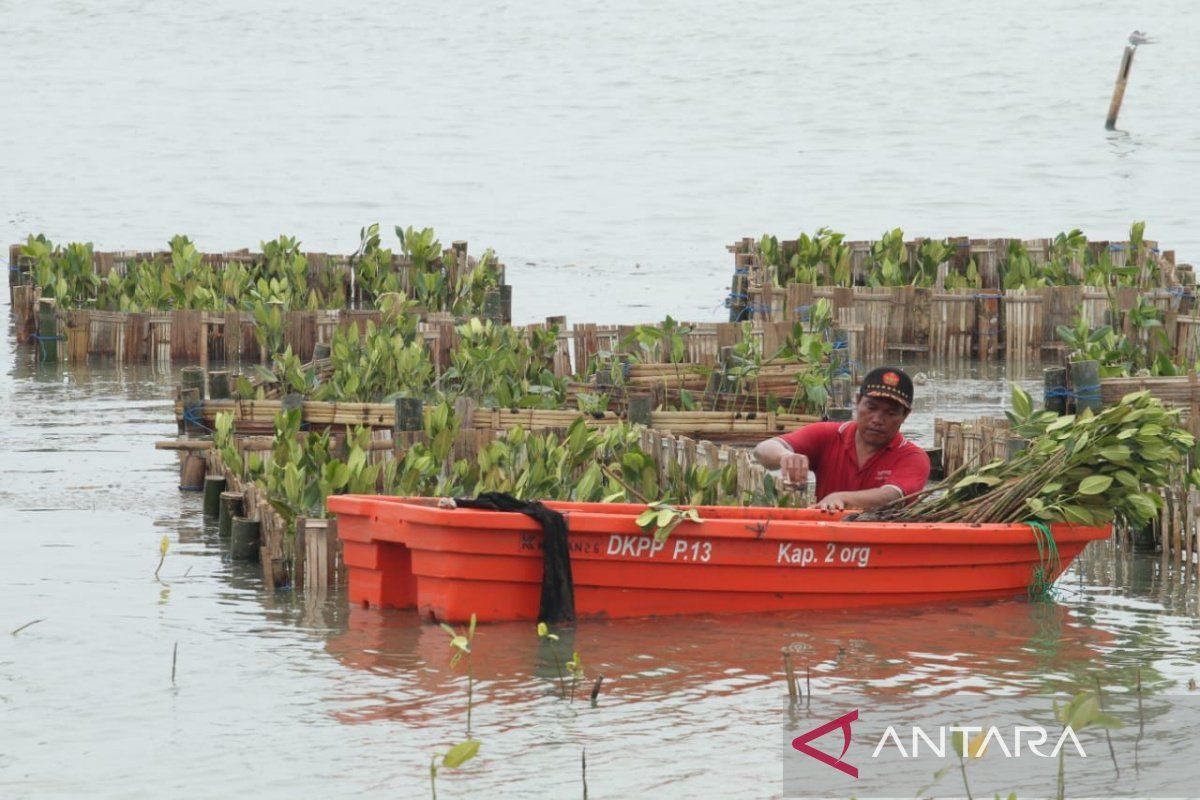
[
  {"x": 280, "y": 696},
  {"x": 608, "y": 151}
]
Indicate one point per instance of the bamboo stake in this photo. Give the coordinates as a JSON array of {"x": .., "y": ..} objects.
[{"x": 1118, "y": 95}]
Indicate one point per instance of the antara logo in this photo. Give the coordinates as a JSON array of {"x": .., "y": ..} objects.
[
  {"x": 801, "y": 743},
  {"x": 1033, "y": 737}
]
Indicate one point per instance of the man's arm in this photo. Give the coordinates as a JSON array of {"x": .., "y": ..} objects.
[
  {"x": 865, "y": 499},
  {"x": 778, "y": 454}
]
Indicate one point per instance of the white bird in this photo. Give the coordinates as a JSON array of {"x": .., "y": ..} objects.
[{"x": 1140, "y": 37}]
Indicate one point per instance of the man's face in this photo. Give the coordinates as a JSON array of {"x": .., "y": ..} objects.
[{"x": 878, "y": 419}]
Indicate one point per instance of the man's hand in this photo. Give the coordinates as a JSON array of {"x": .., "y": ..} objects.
[
  {"x": 833, "y": 502},
  {"x": 794, "y": 468}
]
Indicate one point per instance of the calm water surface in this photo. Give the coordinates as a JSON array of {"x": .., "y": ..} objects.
[{"x": 608, "y": 151}]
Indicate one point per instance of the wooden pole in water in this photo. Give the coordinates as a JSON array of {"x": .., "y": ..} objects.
[
  {"x": 218, "y": 385},
  {"x": 1054, "y": 384},
  {"x": 191, "y": 471},
  {"x": 790, "y": 673},
  {"x": 193, "y": 411},
  {"x": 47, "y": 329},
  {"x": 213, "y": 486},
  {"x": 640, "y": 408},
  {"x": 492, "y": 306},
  {"x": 506, "y": 303},
  {"x": 1085, "y": 385},
  {"x": 230, "y": 507},
  {"x": 410, "y": 415},
  {"x": 192, "y": 378},
  {"x": 1114, "y": 106},
  {"x": 245, "y": 539}
]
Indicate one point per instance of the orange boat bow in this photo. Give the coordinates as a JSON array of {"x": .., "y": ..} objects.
[{"x": 451, "y": 562}]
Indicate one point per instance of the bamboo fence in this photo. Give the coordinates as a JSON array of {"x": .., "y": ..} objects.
[
  {"x": 190, "y": 331},
  {"x": 257, "y": 417},
  {"x": 988, "y": 323},
  {"x": 971, "y": 443}
]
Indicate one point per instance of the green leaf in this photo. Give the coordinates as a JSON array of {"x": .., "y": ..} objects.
[
  {"x": 1077, "y": 515},
  {"x": 1095, "y": 484},
  {"x": 461, "y": 753},
  {"x": 971, "y": 480},
  {"x": 1022, "y": 404}
]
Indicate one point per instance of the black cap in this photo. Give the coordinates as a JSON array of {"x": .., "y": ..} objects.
[{"x": 890, "y": 383}]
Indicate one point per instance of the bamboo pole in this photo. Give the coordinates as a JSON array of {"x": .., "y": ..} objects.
[{"x": 1118, "y": 95}]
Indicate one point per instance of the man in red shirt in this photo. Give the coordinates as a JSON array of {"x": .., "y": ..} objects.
[{"x": 861, "y": 464}]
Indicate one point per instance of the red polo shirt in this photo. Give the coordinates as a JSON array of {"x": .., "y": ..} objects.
[{"x": 833, "y": 457}]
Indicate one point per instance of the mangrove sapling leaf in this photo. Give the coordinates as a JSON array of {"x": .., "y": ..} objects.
[
  {"x": 1096, "y": 484},
  {"x": 661, "y": 518},
  {"x": 461, "y": 753},
  {"x": 575, "y": 667},
  {"x": 458, "y": 755},
  {"x": 1022, "y": 404}
]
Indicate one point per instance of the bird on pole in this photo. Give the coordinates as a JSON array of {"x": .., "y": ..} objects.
[{"x": 1140, "y": 37}]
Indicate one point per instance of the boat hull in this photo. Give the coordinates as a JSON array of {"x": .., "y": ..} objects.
[{"x": 450, "y": 563}]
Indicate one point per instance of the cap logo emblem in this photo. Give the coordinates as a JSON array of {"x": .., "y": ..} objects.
[{"x": 891, "y": 379}]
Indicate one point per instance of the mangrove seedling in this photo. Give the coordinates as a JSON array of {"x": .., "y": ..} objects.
[
  {"x": 1083, "y": 711},
  {"x": 661, "y": 518},
  {"x": 461, "y": 645},
  {"x": 543, "y": 632},
  {"x": 454, "y": 758},
  {"x": 162, "y": 554},
  {"x": 575, "y": 667},
  {"x": 1067, "y": 470}
]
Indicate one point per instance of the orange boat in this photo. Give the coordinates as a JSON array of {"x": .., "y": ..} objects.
[{"x": 404, "y": 552}]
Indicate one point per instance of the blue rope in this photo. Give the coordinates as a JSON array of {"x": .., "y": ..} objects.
[
  {"x": 751, "y": 309},
  {"x": 192, "y": 416},
  {"x": 41, "y": 342},
  {"x": 735, "y": 296},
  {"x": 1083, "y": 393}
]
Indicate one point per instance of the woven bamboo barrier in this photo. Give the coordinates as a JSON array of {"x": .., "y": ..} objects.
[
  {"x": 686, "y": 452},
  {"x": 971, "y": 443},
  {"x": 252, "y": 417},
  {"x": 988, "y": 255},
  {"x": 1023, "y": 312},
  {"x": 455, "y": 258},
  {"x": 1187, "y": 339},
  {"x": 952, "y": 324},
  {"x": 919, "y": 323}
]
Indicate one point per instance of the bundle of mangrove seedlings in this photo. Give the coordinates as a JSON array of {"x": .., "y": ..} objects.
[{"x": 1085, "y": 469}]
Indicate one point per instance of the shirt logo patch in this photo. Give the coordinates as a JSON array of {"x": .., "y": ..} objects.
[{"x": 883, "y": 474}]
